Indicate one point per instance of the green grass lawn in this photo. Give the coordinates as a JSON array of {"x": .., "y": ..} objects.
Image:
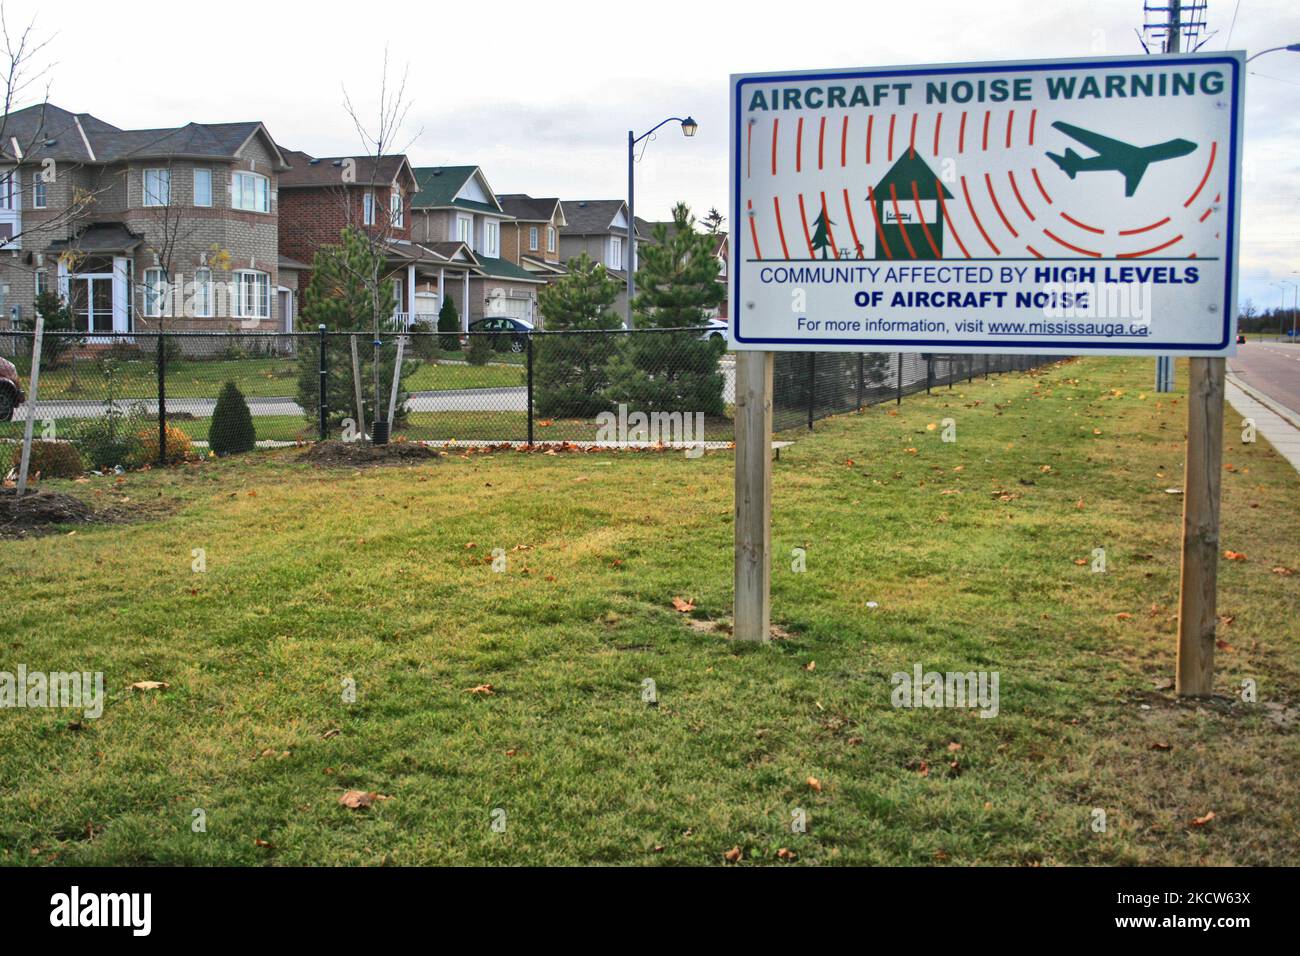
[
  {"x": 961, "y": 556},
  {"x": 256, "y": 377}
]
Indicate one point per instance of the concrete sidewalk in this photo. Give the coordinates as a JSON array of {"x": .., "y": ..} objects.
[{"x": 1279, "y": 424}]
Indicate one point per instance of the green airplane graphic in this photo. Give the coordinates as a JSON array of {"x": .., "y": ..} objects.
[{"x": 1128, "y": 160}]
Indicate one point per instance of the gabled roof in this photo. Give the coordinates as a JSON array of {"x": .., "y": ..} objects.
[
  {"x": 588, "y": 217},
  {"x": 50, "y": 132},
  {"x": 911, "y": 168},
  {"x": 439, "y": 186},
  {"x": 99, "y": 238},
  {"x": 306, "y": 171},
  {"x": 505, "y": 269},
  {"x": 539, "y": 265},
  {"x": 527, "y": 209}
]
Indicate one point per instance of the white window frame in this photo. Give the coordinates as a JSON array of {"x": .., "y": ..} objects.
[
  {"x": 8, "y": 189},
  {"x": 41, "y": 278},
  {"x": 492, "y": 239},
  {"x": 368, "y": 208},
  {"x": 550, "y": 238},
  {"x": 202, "y": 293},
  {"x": 396, "y": 208},
  {"x": 163, "y": 182},
  {"x": 39, "y": 194},
  {"x": 200, "y": 171},
  {"x": 532, "y": 238},
  {"x": 465, "y": 230},
  {"x": 262, "y": 304},
  {"x": 155, "y": 293},
  {"x": 616, "y": 252},
  {"x": 237, "y": 191}
]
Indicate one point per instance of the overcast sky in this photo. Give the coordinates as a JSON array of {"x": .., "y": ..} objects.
[{"x": 541, "y": 95}]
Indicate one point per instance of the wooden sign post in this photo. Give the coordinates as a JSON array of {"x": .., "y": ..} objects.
[
  {"x": 1198, "y": 589},
  {"x": 753, "y": 496}
]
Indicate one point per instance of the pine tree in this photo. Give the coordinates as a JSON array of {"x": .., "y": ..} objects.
[
  {"x": 448, "y": 326},
  {"x": 231, "y": 430},
  {"x": 821, "y": 233},
  {"x": 672, "y": 371},
  {"x": 340, "y": 297},
  {"x": 571, "y": 370}
]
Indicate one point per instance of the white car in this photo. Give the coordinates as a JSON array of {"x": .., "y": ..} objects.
[{"x": 718, "y": 329}]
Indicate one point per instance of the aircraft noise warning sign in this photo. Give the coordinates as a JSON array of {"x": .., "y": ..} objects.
[{"x": 1069, "y": 206}]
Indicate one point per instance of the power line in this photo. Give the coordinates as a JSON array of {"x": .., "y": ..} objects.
[{"x": 1232, "y": 26}]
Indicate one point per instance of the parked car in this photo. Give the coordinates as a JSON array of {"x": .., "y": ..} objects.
[
  {"x": 717, "y": 330},
  {"x": 507, "y": 333},
  {"x": 11, "y": 392},
  {"x": 1241, "y": 339}
]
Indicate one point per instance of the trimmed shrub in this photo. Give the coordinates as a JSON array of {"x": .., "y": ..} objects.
[
  {"x": 179, "y": 447},
  {"x": 423, "y": 344},
  {"x": 231, "y": 430},
  {"x": 51, "y": 459},
  {"x": 449, "y": 326},
  {"x": 480, "y": 349},
  {"x": 112, "y": 440}
]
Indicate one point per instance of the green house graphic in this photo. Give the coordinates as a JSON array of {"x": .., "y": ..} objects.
[{"x": 908, "y": 237}]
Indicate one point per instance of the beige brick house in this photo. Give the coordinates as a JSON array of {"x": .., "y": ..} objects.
[{"x": 173, "y": 228}]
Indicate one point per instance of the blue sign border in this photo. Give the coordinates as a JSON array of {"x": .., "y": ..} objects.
[{"x": 1019, "y": 66}]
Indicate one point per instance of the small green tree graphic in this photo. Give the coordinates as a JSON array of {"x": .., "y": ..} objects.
[{"x": 821, "y": 238}]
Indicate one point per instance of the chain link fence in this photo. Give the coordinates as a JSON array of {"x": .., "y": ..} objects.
[{"x": 134, "y": 399}]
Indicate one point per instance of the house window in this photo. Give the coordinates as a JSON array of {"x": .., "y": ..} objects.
[
  {"x": 532, "y": 238},
  {"x": 202, "y": 187},
  {"x": 42, "y": 282},
  {"x": 396, "y": 212},
  {"x": 550, "y": 238},
  {"x": 7, "y": 190},
  {"x": 368, "y": 208},
  {"x": 251, "y": 192},
  {"x": 252, "y": 295},
  {"x": 155, "y": 292},
  {"x": 38, "y": 191},
  {"x": 203, "y": 293},
  {"x": 492, "y": 239},
  {"x": 157, "y": 187},
  {"x": 464, "y": 230},
  {"x": 616, "y": 252},
  {"x": 397, "y": 295}
]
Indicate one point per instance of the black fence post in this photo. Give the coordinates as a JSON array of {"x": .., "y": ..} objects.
[
  {"x": 530, "y": 390},
  {"x": 812, "y": 387},
  {"x": 899, "y": 400},
  {"x": 162, "y": 400},
  {"x": 324, "y": 390}
]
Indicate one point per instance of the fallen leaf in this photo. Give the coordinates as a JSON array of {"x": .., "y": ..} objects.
[
  {"x": 150, "y": 685},
  {"x": 733, "y": 855},
  {"x": 1161, "y": 746},
  {"x": 684, "y": 606},
  {"x": 785, "y": 854},
  {"x": 1285, "y": 572},
  {"x": 1235, "y": 556},
  {"x": 815, "y": 784},
  {"x": 810, "y": 666},
  {"x": 360, "y": 799},
  {"x": 483, "y": 690},
  {"x": 1225, "y": 647},
  {"x": 1202, "y": 821},
  {"x": 266, "y": 844}
]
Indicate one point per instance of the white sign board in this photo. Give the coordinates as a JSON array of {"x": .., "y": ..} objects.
[{"x": 1068, "y": 206}]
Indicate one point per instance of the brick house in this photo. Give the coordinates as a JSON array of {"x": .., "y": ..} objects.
[
  {"x": 532, "y": 239},
  {"x": 456, "y": 214},
  {"x": 320, "y": 196},
  {"x": 598, "y": 227},
  {"x": 171, "y": 228}
]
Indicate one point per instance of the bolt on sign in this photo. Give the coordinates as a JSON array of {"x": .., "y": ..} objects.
[{"x": 1069, "y": 206}]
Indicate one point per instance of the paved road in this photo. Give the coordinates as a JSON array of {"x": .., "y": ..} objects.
[
  {"x": 1271, "y": 368},
  {"x": 513, "y": 399}
]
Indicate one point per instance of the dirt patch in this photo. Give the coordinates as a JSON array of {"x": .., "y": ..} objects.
[
  {"x": 44, "y": 512},
  {"x": 360, "y": 454}
]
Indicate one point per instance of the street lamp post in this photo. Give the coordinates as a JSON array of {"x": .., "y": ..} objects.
[
  {"x": 689, "y": 126},
  {"x": 1290, "y": 48},
  {"x": 1295, "y": 287}
]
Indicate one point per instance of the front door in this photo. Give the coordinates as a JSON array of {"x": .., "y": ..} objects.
[{"x": 92, "y": 302}]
